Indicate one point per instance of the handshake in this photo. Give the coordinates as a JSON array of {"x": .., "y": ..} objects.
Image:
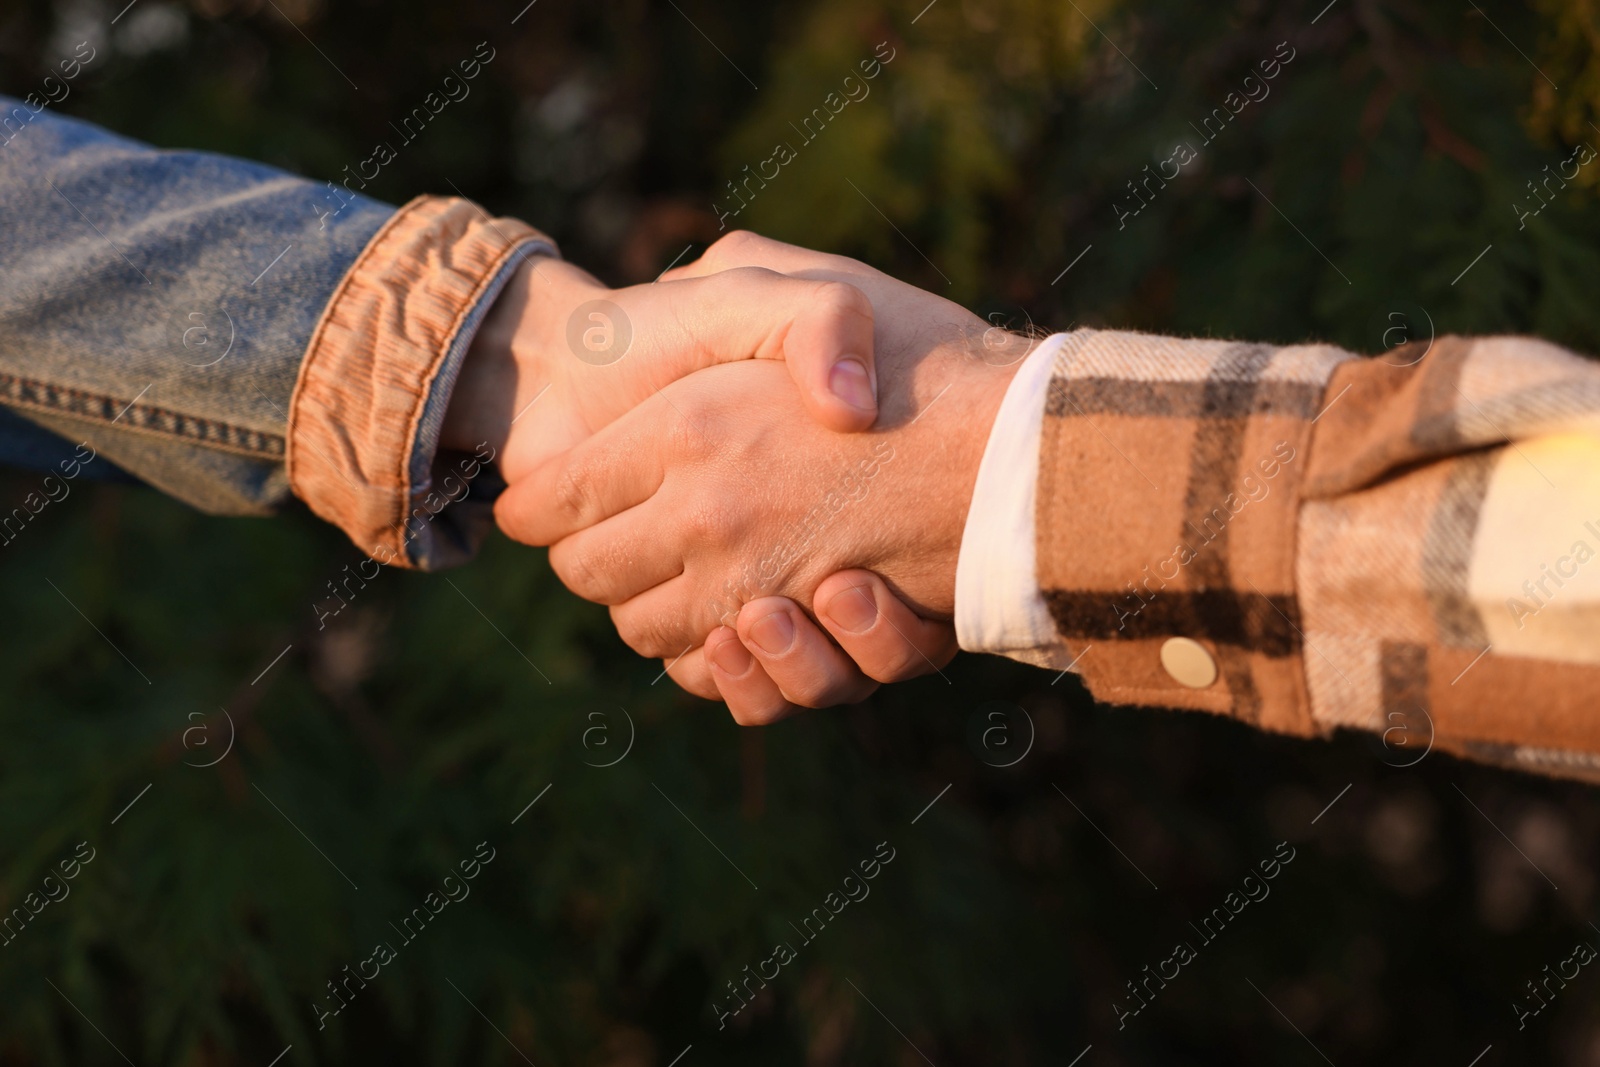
[{"x": 762, "y": 462}]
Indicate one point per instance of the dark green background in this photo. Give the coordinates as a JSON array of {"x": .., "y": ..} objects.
[{"x": 997, "y": 140}]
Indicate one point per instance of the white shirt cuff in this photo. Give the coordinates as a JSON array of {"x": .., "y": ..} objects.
[{"x": 998, "y": 605}]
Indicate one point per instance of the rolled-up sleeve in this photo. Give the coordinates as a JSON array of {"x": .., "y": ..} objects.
[
  {"x": 377, "y": 375},
  {"x": 238, "y": 337}
]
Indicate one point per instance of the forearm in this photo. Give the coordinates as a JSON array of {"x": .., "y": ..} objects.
[{"x": 143, "y": 309}]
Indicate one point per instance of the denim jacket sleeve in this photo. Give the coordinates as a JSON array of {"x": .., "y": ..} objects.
[{"x": 237, "y": 336}]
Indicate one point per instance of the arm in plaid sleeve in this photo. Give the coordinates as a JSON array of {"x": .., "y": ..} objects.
[{"x": 1304, "y": 539}]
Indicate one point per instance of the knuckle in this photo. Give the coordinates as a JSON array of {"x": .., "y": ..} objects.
[
  {"x": 572, "y": 494},
  {"x": 736, "y": 281},
  {"x": 637, "y": 638},
  {"x": 691, "y": 678},
  {"x": 842, "y": 300},
  {"x": 577, "y": 571},
  {"x": 645, "y": 634},
  {"x": 733, "y": 246},
  {"x": 700, "y": 436},
  {"x": 710, "y": 523},
  {"x": 686, "y": 437}
]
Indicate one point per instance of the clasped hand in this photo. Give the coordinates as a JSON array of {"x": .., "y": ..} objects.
[{"x": 751, "y": 524}]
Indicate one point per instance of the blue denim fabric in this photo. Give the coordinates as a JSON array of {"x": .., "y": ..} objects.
[
  {"x": 452, "y": 535},
  {"x": 157, "y": 304}
]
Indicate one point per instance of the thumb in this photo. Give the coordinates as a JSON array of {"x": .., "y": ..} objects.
[{"x": 823, "y": 330}]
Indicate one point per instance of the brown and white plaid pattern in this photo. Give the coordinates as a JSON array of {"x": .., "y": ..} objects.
[{"x": 1322, "y": 524}]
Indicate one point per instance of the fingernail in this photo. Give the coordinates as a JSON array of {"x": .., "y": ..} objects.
[
  {"x": 774, "y": 633},
  {"x": 850, "y": 383},
  {"x": 732, "y": 658},
  {"x": 854, "y": 610}
]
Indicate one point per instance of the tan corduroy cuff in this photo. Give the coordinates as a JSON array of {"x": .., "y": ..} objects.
[{"x": 400, "y": 316}]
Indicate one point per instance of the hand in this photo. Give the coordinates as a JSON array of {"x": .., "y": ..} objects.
[
  {"x": 719, "y": 491},
  {"x": 935, "y": 349},
  {"x": 597, "y": 352},
  {"x": 878, "y": 638}
]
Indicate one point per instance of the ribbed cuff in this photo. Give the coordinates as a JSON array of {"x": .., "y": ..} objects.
[{"x": 376, "y": 379}]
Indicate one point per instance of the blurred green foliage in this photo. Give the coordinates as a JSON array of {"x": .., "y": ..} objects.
[{"x": 989, "y": 155}]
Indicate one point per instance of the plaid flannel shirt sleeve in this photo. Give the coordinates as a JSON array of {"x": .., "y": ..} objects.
[{"x": 1304, "y": 539}]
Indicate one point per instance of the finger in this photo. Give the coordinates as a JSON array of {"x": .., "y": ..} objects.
[
  {"x": 619, "y": 558},
  {"x": 753, "y": 698},
  {"x": 619, "y": 467},
  {"x": 668, "y": 619},
  {"x": 692, "y": 674},
  {"x": 823, "y": 331},
  {"x": 741, "y": 248},
  {"x": 629, "y": 555},
  {"x": 808, "y": 668},
  {"x": 886, "y": 639}
]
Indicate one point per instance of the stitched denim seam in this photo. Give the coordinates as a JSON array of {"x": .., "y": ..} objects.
[{"x": 55, "y": 399}]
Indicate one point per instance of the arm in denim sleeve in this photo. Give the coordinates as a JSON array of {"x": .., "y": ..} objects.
[{"x": 234, "y": 335}]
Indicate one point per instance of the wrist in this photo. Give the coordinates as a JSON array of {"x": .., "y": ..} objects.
[
  {"x": 482, "y": 403},
  {"x": 518, "y": 354},
  {"x": 947, "y": 434},
  {"x": 992, "y": 367}
]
